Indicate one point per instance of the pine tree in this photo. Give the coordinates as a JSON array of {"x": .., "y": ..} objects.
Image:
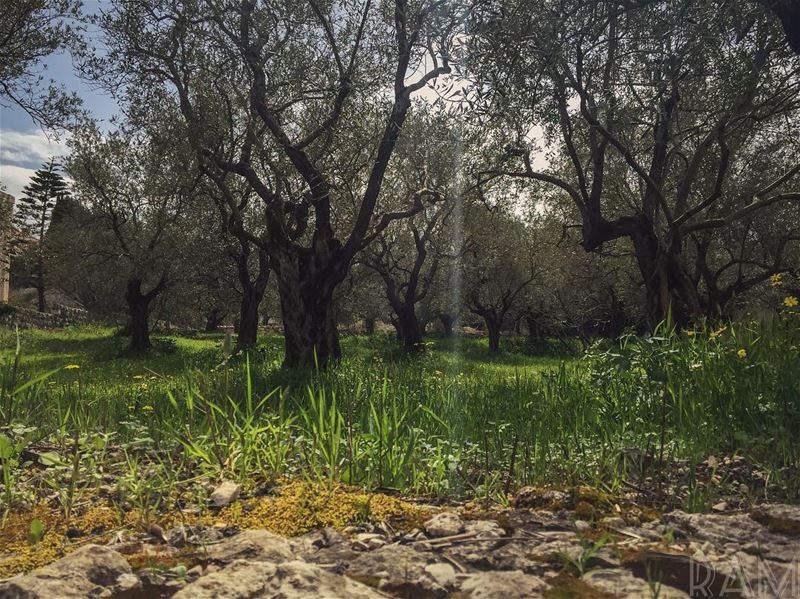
[{"x": 33, "y": 216}]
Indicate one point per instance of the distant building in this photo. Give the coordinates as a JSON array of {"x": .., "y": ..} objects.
[{"x": 6, "y": 209}]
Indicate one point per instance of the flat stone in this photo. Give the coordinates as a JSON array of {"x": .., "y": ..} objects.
[
  {"x": 502, "y": 585},
  {"x": 226, "y": 493},
  {"x": 740, "y": 530},
  {"x": 289, "y": 580},
  {"x": 254, "y": 545},
  {"x": 399, "y": 570},
  {"x": 315, "y": 541},
  {"x": 367, "y": 541},
  {"x": 613, "y": 522},
  {"x": 90, "y": 571},
  {"x": 445, "y": 524},
  {"x": 484, "y": 528},
  {"x": 528, "y": 554},
  {"x": 781, "y": 519},
  {"x": 621, "y": 584},
  {"x": 581, "y": 526},
  {"x": 444, "y": 574},
  {"x": 537, "y": 520}
]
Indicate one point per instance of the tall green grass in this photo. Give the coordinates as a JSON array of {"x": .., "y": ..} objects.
[{"x": 435, "y": 425}]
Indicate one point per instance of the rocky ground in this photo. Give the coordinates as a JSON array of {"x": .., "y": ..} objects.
[{"x": 527, "y": 550}]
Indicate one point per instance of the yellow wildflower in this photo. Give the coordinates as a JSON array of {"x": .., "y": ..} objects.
[
  {"x": 714, "y": 334},
  {"x": 147, "y": 408},
  {"x": 776, "y": 280},
  {"x": 690, "y": 333},
  {"x": 790, "y": 301},
  {"x": 71, "y": 366},
  {"x": 742, "y": 353}
]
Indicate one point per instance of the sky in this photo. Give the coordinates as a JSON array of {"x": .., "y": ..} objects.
[{"x": 23, "y": 145}]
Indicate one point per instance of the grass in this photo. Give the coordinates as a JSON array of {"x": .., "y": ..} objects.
[
  {"x": 453, "y": 422},
  {"x": 101, "y": 354}
]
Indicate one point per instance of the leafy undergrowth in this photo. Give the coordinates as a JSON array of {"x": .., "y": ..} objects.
[
  {"x": 295, "y": 508},
  {"x": 679, "y": 419}
]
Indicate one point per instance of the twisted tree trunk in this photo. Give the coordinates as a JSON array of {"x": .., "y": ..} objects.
[{"x": 139, "y": 310}]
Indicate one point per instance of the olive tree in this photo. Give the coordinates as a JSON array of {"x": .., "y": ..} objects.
[
  {"x": 272, "y": 95},
  {"x": 649, "y": 107},
  {"x": 499, "y": 263},
  {"x": 30, "y": 31},
  {"x": 136, "y": 189}
]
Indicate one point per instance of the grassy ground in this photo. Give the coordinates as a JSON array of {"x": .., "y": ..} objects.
[
  {"x": 101, "y": 354},
  {"x": 103, "y": 363},
  {"x": 453, "y": 422}
]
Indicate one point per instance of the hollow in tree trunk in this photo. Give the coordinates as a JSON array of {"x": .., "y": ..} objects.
[{"x": 669, "y": 290}]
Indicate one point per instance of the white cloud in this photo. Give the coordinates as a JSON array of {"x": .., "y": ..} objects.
[
  {"x": 29, "y": 148},
  {"x": 14, "y": 178}
]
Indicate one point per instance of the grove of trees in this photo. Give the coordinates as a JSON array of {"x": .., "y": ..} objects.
[{"x": 564, "y": 167}]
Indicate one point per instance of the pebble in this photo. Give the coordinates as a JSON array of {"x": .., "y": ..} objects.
[{"x": 226, "y": 493}]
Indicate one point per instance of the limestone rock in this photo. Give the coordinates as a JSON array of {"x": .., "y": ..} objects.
[
  {"x": 621, "y": 584},
  {"x": 289, "y": 580},
  {"x": 444, "y": 574},
  {"x": 315, "y": 541},
  {"x": 445, "y": 524},
  {"x": 684, "y": 572},
  {"x": 502, "y": 585},
  {"x": 531, "y": 497},
  {"x": 254, "y": 545},
  {"x": 197, "y": 534},
  {"x": 226, "y": 493},
  {"x": 91, "y": 571},
  {"x": 484, "y": 528},
  {"x": 733, "y": 531},
  {"x": 367, "y": 541},
  {"x": 783, "y": 519},
  {"x": 399, "y": 570}
]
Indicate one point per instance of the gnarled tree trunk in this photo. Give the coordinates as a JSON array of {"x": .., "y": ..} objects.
[
  {"x": 493, "y": 328},
  {"x": 139, "y": 309},
  {"x": 214, "y": 319},
  {"x": 447, "y": 320},
  {"x": 669, "y": 289},
  {"x": 252, "y": 294},
  {"x": 410, "y": 329},
  {"x": 306, "y": 285},
  {"x": 369, "y": 325}
]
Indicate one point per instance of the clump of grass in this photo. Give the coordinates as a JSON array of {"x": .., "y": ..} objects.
[{"x": 445, "y": 423}]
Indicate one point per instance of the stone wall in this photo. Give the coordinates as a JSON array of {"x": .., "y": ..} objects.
[{"x": 58, "y": 317}]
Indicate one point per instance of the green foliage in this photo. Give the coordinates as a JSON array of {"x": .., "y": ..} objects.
[
  {"x": 36, "y": 532},
  {"x": 438, "y": 424}
]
